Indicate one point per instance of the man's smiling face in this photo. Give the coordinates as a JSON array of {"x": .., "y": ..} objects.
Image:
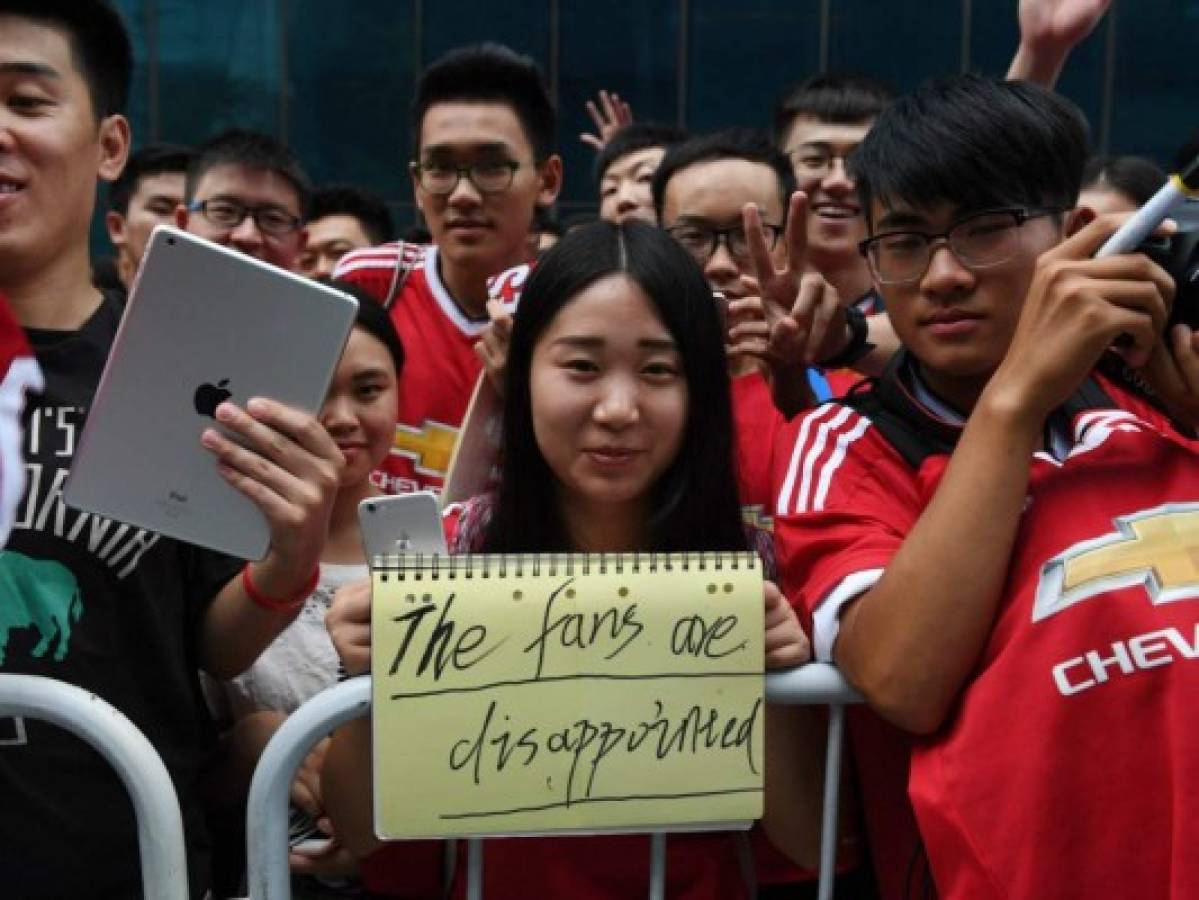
[{"x": 52, "y": 148}]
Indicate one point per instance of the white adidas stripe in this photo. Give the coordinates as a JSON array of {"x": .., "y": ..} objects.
[
  {"x": 829, "y": 430},
  {"x": 834, "y": 462},
  {"x": 814, "y": 453},
  {"x": 801, "y": 440}
]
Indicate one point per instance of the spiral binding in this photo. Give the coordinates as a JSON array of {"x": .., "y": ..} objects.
[{"x": 436, "y": 566}]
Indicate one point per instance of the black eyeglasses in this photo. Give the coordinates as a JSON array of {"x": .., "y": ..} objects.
[
  {"x": 490, "y": 176},
  {"x": 816, "y": 160},
  {"x": 978, "y": 241},
  {"x": 701, "y": 241},
  {"x": 226, "y": 213}
]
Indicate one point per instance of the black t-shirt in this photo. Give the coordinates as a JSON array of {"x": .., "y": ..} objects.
[{"x": 113, "y": 609}]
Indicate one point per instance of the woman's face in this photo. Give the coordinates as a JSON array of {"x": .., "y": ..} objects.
[
  {"x": 609, "y": 396},
  {"x": 360, "y": 409}
]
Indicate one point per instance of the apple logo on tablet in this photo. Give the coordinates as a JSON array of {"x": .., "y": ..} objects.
[{"x": 210, "y": 396}]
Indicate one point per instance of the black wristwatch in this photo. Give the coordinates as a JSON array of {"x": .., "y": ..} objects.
[{"x": 858, "y": 345}]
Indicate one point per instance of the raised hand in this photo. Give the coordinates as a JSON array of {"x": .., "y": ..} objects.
[
  {"x": 288, "y": 465},
  {"x": 610, "y": 115},
  {"x": 803, "y": 313},
  {"x": 1049, "y": 31},
  {"x": 1076, "y": 308}
]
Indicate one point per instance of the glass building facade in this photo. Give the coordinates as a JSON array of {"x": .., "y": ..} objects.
[{"x": 334, "y": 79}]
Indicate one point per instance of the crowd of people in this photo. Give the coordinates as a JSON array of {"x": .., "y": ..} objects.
[{"x": 871, "y": 342}]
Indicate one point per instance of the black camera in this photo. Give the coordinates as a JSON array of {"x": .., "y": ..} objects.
[{"x": 1178, "y": 254}]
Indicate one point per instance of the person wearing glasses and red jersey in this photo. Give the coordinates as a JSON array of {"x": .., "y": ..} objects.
[
  {"x": 484, "y": 164},
  {"x": 995, "y": 541}
]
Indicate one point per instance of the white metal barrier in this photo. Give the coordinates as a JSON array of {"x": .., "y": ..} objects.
[
  {"x": 266, "y": 812},
  {"x": 159, "y": 822}
]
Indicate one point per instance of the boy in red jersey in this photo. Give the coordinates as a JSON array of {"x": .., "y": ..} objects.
[
  {"x": 485, "y": 126},
  {"x": 995, "y": 542}
]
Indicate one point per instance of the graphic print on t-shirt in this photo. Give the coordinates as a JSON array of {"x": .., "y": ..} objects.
[
  {"x": 42, "y": 595},
  {"x": 429, "y": 447},
  {"x": 41, "y": 600},
  {"x": 49, "y": 446},
  {"x": 1156, "y": 548}
]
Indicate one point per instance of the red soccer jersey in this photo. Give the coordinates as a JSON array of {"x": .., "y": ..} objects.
[
  {"x": 756, "y": 420},
  {"x": 19, "y": 373},
  {"x": 440, "y": 366},
  {"x": 1069, "y": 767}
]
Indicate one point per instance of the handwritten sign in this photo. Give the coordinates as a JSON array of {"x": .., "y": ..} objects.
[{"x": 518, "y": 695}]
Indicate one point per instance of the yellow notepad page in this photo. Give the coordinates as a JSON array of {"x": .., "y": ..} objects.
[{"x": 534, "y": 694}]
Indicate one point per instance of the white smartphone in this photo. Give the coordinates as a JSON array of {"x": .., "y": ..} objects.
[{"x": 404, "y": 523}]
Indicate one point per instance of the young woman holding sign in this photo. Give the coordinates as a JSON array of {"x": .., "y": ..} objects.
[{"x": 618, "y": 436}]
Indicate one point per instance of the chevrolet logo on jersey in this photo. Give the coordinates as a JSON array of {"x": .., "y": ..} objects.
[
  {"x": 430, "y": 448},
  {"x": 1157, "y": 548}
]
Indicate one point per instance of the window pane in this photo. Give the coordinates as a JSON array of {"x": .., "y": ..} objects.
[
  {"x": 742, "y": 55},
  {"x": 1154, "y": 104},
  {"x": 631, "y": 49},
  {"x": 523, "y": 25},
  {"x": 914, "y": 40},
  {"x": 350, "y": 80},
  {"x": 138, "y": 109},
  {"x": 218, "y": 67}
]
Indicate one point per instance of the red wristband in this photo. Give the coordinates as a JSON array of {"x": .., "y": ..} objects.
[{"x": 288, "y": 604}]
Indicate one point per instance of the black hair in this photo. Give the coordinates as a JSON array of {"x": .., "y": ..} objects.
[
  {"x": 249, "y": 150},
  {"x": 839, "y": 98},
  {"x": 152, "y": 159},
  {"x": 373, "y": 319},
  {"x": 347, "y": 200},
  {"x": 733, "y": 143},
  {"x": 631, "y": 138},
  {"x": 694, "y": 503},
  {"x": 577, "y": 220},
  {"x": 1136, "y": 177},
  {"x": 976, "y": 143},
  {"x": 490, "y": 73},
  {"x": 100, "y": 47}
]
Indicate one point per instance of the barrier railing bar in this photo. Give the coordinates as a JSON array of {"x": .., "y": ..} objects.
[
  {"x": 657, "y": 866},
  {"x": 266, "y": 812},
  {"x": 812, "y": 684},
  {"x": 130, "y": 753},
  {"x": 474, "y": 869},
  {"x": 266, "y": 809}
]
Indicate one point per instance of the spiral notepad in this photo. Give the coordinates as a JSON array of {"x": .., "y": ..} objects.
[{"x": 565, "y": 692}]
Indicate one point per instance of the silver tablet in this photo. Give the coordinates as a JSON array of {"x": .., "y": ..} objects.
[{"x": 203, "y": 323}]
